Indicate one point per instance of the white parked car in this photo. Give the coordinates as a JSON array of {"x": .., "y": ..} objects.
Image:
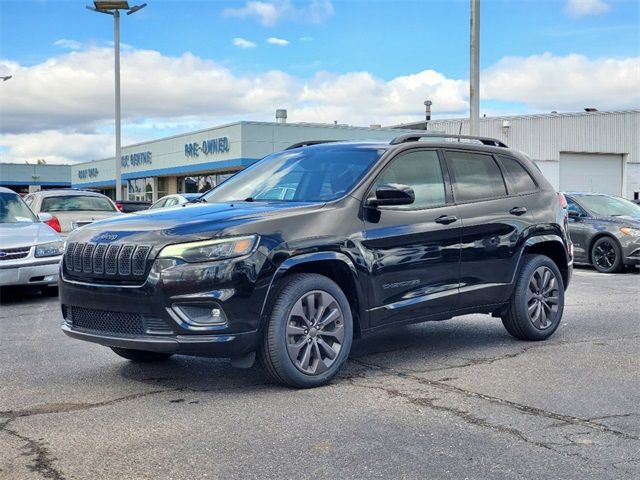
[
  {"x": 175, "y": 200},
  {"x": 30, "y": 250},
  {"x": 71, "y": 209}
]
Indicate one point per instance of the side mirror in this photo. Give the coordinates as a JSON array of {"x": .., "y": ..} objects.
[
  {"x": 575, "y": 216},
  {"x": 45, "y": 217},
  {"x": 392, "y": 194}
]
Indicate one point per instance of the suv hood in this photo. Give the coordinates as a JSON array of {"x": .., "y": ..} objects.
[{"x": 190, "y": 221}]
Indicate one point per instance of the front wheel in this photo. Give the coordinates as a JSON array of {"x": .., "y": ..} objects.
[
  {"x": 141, "y": 356},
  {"x": 537, "y": 303},
  {"x": 606, "y": 255},
  {"x": 309, "y": 334}
]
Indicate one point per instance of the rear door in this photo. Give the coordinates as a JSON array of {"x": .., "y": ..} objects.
[
  {"x": 414, "y": 254},
  {"x": 494, "y": 222}
]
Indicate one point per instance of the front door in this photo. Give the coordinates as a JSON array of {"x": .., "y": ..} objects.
[{"x": 414, "y": 249}]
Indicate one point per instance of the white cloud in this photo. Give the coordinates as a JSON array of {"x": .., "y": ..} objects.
[
  {"x": 278, "y": 41},
  {"x": 582, "y": 8},
  {"x": 269, "y": 13},
  {"x": 243, "y": 43},
  {"x": 571, "y": 82},
  {"x": 68, "y": 44},
  {"x": 62, "y": 108},
  {"x": 306, "y": 39}
]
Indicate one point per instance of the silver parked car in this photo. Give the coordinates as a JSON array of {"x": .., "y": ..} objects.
[
  {"x": 30, "y": 251},
  {"x": 71, "y": 209},
  {"x": 175, "y": 200}
]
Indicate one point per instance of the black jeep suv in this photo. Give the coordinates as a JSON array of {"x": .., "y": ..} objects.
[{"x": 293, "y": 257}]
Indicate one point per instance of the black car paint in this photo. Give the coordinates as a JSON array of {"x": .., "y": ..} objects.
[
  {"x": 586, "y": 229},
  {"x": 396, "y": 266}
]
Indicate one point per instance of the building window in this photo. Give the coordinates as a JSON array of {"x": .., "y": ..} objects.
[
  {"x": 140, "y": 189},
  {"x": 201, "y": 183},
  {"x": 163, "y": 186}
]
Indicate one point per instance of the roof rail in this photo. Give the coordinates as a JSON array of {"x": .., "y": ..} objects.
[
  {"x": 308, "y": 143},
  {"x": 412, "y": 137}
]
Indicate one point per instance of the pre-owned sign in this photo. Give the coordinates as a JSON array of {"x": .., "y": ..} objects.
[{"x": 208, "y": 147}]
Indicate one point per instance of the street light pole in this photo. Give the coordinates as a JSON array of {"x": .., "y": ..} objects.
[
  {"x": 113, "y": 8},
  {"x": 116, "y": 41},
  {"x": 474, "y": 83}
]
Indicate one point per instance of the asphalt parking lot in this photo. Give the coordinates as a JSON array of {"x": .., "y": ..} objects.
[{"x": 456, "y": 399}]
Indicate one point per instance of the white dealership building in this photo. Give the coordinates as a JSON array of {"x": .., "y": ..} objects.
[{"x": 586, "y": 151}]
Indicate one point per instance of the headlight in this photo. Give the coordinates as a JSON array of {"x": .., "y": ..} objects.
[
  {"x": 50, "y": 249},
  {"x": 633, "y": 232},
  {"x": 209, "y": 250}
]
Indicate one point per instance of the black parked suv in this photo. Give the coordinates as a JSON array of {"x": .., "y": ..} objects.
[{"x": 372, "y": 235}]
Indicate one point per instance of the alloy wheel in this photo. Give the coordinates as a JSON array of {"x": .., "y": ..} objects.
[
  {"x": 604, "y": 255},
  {"x": 542, "y": 298},
  {"x": 315, "y": 332}
]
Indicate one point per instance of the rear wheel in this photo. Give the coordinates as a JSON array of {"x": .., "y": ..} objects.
[
  {"x": 537, "y": 303},
  {"x": 309, "y": 334},
  {"x": 141, "y": 356},
  {"x": 606, "y": 255}
]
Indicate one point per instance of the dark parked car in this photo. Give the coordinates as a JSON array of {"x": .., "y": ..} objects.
[
  {"x": 131, "y": 206},
  {"x": 605, "y": 230},
  {"x": 375, "y": 235}
]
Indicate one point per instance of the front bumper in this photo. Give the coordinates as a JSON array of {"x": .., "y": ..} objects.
[
  {"x": 37, "y": 272},
  {"x": 144, "y": 317},
  {"x": 196, "y": 345}
]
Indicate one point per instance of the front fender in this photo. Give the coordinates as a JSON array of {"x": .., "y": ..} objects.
[{"x": 313, "y": 258}]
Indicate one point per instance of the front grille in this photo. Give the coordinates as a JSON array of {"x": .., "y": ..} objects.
[
  {"x": 119, "y": 263},
  {"x": 113, "y": 323},
  {"x": 14, "y": 253}
]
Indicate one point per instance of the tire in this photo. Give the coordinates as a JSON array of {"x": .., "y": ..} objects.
[
  {"x": 294, "y": 352},
  {"x": 536, "y": 305},
  {"x": 140, "y": 356},
  {"x": 606, "y": 255}
]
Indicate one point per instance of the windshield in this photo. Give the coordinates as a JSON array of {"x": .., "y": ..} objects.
[
  {"x": 603, "y": 206},
  {"x": 73, "y": 203},
  {"x": 14, "y": 210},
  {"x": 312, "y": 174}
]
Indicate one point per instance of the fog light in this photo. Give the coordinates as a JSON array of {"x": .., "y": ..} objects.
[{"x": 200, "y": 315}]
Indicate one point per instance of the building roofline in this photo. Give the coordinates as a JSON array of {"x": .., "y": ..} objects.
[
  {"x": 515, "y": 117},
  {"x": 329, "y": 126}
]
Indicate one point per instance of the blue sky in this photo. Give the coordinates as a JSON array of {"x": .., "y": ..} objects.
[
  {"x": 194, "y": 64},
  {"x": 386, "y": 38}
]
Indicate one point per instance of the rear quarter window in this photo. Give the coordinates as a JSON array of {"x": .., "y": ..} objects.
[{"x": 518, "y": 179}]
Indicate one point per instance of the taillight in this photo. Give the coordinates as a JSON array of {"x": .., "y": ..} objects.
[
  {"x": 563, "y": 201},
  {"x": 119, "y": 206},
  {"x": 55, "y": 224}
]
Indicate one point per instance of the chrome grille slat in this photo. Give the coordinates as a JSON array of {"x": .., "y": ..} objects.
[
  {"x": 103, "y": 261},
  {"x": 87, "y": 258},
  {"x": 124, "y": 260},
  {"x": 98, "y": 258},
  {"x": 140, "y": 259},
  {"x": 111, "y": 260},
  {"x": 77, "y": 257}
]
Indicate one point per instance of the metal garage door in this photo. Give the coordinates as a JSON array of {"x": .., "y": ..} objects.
[{"x": 591, "y": 172}]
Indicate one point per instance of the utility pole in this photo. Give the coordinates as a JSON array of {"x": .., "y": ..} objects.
[{"x": 474, "y": 80}]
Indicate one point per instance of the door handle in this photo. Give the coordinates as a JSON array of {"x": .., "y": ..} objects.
[
  {"x": 446, "y": 219},
  {"x": 518, "y": 211}
]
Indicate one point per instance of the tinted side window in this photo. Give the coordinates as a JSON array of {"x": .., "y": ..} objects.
[
  {"x": 421, "y": 171},
  {"x": 572, "y": 206},
  {"x": 518, "y": 179},
  {"x": 475, "y": 176}
]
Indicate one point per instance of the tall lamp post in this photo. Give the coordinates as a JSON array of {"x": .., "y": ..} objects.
[
  {"x": 113, "y": 9},
  {"x": 474, "y": 83}
]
